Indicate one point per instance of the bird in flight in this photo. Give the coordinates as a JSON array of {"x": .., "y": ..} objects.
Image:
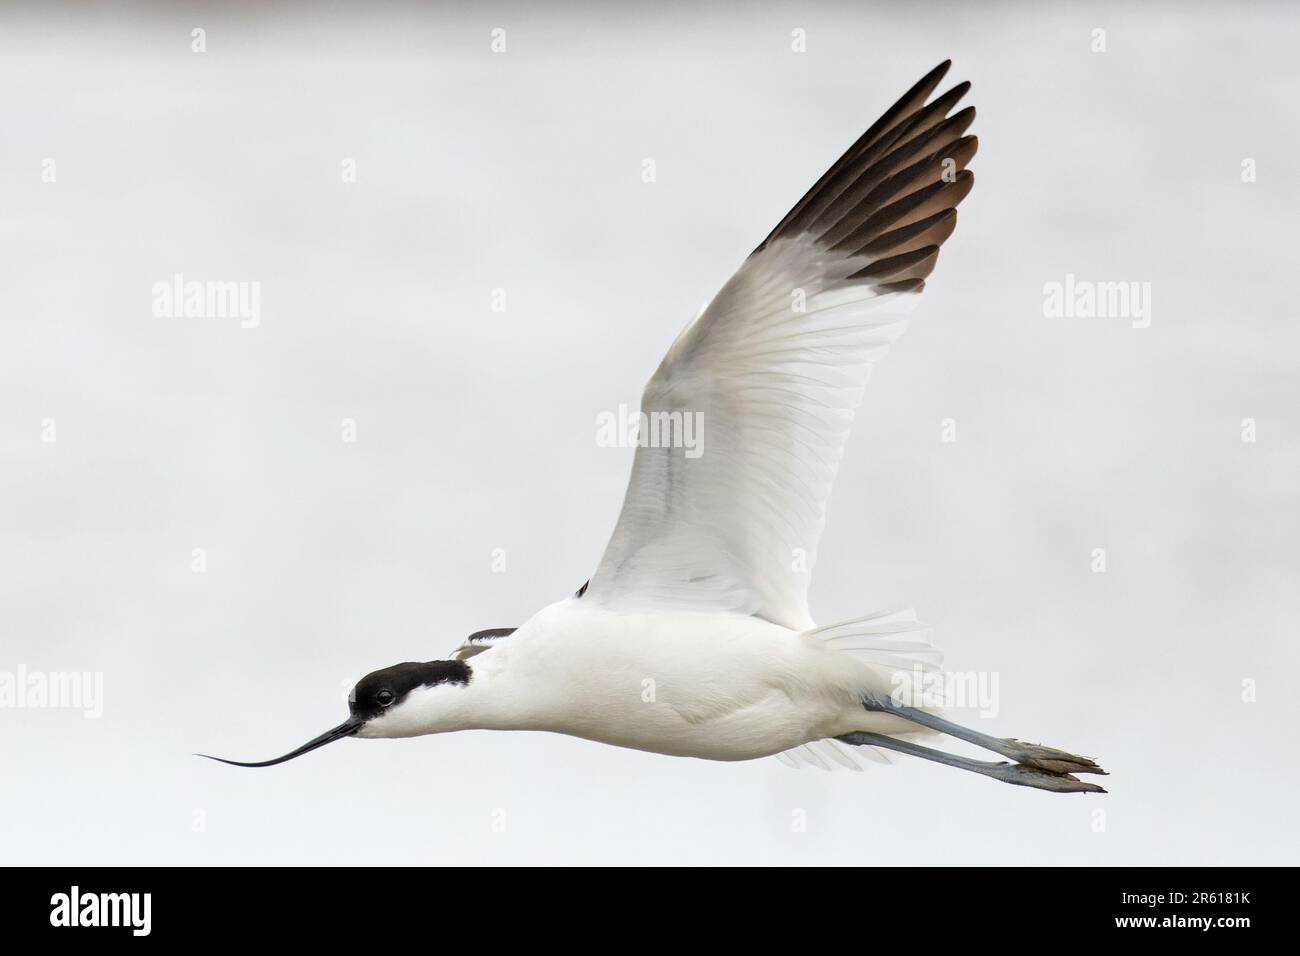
[{"x": 693, "y": 636}]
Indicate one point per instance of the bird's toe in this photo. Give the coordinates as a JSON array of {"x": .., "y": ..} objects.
[
  {"x": 1052, "y": 760},
  {"x": 1025, "y": 775}
]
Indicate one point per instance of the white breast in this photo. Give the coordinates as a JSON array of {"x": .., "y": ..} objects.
[{"x": 719, "y": 686}]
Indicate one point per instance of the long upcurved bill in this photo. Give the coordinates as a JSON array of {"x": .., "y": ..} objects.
[{"x": 345, "y": 729}]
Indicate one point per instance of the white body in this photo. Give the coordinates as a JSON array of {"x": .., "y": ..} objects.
[
  {"x": 717, "y": 686},
  {"x": 694, "y": 636}
]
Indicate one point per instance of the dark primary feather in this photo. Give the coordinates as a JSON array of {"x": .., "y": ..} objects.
[{"x": 892, "y": 196}]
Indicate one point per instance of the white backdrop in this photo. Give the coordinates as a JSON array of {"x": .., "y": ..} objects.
[{"x": 131, "y": 440}]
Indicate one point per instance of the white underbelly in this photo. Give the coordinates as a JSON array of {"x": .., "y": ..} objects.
[
  {"x": 719, "y": 688},
  {"x": 758, "y": 729}
]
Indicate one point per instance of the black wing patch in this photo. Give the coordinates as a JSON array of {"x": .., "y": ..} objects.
[
  {"x": 480, "y": 641},
  {"x": 491, "y": 634}
]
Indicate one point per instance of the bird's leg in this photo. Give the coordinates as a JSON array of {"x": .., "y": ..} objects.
[
  {"x": 1022, "y": 775},
  {"x": 1030, "y": 755}
]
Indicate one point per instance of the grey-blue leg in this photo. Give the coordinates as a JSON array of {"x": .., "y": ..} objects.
[
  {"x": 1032, "y": 755},
  {"x": 1020, "y": 774}
]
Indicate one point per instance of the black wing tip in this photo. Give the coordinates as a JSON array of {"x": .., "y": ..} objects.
[
  {"x": 935, "y": 77},
  {"x": 833, "y": 206},
  {"x": 922, "y": 88}
]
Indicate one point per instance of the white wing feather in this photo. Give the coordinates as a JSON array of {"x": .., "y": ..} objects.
[{"x": 774, "y": 390}]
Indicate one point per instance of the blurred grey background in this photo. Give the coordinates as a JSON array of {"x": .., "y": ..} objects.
[{"x": 475, "y": 429}]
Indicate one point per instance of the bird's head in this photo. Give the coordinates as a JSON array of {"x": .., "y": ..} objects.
[{"x": 404, "y": 700}]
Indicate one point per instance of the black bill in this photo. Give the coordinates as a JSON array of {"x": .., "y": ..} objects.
[{"x": 345, "y": 729}]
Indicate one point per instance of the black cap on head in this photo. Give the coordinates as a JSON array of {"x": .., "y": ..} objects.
[{"x": 378, "y": 691}]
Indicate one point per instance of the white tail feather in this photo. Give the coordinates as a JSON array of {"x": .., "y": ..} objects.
[{"x": 891, "y": 640}]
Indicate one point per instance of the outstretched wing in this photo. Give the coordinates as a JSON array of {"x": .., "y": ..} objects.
[{"x": 747, "y": 416}]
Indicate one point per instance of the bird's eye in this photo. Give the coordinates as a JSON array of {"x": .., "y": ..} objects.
[{"x": 384, "y": 698}]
